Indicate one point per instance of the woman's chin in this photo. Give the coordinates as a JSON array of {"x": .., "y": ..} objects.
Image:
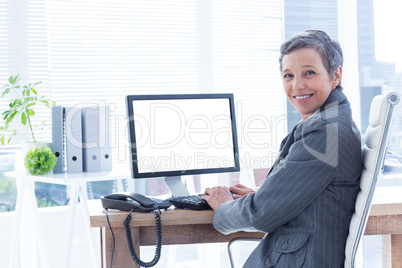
[{"x": 305, "y": 113}]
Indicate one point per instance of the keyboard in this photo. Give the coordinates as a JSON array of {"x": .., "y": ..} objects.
[{"x": 191, "y": 202}]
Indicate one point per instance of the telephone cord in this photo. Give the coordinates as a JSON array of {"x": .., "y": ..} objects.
[
  {"x": 158, "y": 247},
  {"x": 111, "y": 230}
]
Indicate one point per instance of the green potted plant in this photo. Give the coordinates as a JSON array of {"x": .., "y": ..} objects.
[
  {"x": 40, "y": 160},
  {"x": 21, "y": 107},
  {"x": 22, "y": 102}
]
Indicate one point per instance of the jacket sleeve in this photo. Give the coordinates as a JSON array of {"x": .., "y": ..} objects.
[{"x": 302, "y": 171}]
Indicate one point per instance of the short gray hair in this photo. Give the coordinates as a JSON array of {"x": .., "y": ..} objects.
[{"x": 330, "y": 50}]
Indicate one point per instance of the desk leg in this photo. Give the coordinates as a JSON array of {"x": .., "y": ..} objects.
[
  {"x": 39, "y": 237},
  {"x": 27, "y": 188},
  {"x": 396, "y": 250},
  {"x": 136, "y": 241},
  {"x": 72, "y": 213},
  {"x": 386, "y": 251},
  {"x": 17, "y": 224},
  {"x": 391, "y": 250},
  {"x": 79, "y": 190},
  {"x": 121, "y": 256},
  {"x": 92, "y": 245}
]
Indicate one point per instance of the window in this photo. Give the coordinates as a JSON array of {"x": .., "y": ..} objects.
[
  {"x": 90, "y": 52},
  {"x": 97, "y": 52}
]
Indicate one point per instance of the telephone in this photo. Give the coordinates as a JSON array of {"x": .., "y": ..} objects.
[
  {"x": 136, "y": 202},
  {"x": 133, "y": 201}
]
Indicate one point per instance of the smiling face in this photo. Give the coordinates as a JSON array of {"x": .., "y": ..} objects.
[{"x": 306, "y": 82}]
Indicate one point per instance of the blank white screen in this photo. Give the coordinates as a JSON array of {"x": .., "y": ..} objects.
[{"x": 183, "y": 134}]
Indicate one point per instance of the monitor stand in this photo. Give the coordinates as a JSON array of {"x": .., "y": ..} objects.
[{"x": 176, "y": 186}]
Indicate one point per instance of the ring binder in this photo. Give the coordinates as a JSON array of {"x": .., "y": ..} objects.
[
  {"x": 81, "y": 139},
  {"x": 73, "y": 139},
  {"x": 96, "y": 139},
  {"x": 58, "y": 138}
]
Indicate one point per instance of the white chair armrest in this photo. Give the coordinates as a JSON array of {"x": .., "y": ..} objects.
[{"x": 393, "y": 159}]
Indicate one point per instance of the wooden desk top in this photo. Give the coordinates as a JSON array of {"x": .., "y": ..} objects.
[
  {"x": 186, "y": 217},
  {"x": 390, "y": 209},
  {"x": 169, "y": 217}
]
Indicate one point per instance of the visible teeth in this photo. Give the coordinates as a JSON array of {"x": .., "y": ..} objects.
[{"x": 303, "y": 97}]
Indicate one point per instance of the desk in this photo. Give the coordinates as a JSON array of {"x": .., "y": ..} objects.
[
  {"x": 179, "y": 227},
  {"x": 26, "y": 204},
  {"x": 188, "y": 227},
  {"x": 386, "y": 220}
]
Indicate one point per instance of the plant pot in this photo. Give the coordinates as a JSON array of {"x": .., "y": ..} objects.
[{"x": 25, "y": 147}]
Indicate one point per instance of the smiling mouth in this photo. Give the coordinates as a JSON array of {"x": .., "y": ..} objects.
[{"x": 302, "y": 97}]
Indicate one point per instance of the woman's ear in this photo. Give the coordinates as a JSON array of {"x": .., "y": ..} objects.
[{"x": 337, "y": 77}]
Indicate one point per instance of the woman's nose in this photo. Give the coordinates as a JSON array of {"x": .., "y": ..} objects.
[{"x": 298, "y": 83}]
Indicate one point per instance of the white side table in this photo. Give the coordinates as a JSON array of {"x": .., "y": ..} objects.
[{"x": 78, "y": 191}]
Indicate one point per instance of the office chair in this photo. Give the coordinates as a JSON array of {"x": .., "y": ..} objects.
[{"x": 374, "y": 155}]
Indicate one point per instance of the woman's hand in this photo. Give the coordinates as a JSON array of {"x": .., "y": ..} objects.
[
  {"x": 240, "y": 190},
  {"x": 216, "y": 196}
]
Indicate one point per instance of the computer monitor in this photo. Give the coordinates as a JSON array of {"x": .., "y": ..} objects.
[{"x": 181, "y": 134}]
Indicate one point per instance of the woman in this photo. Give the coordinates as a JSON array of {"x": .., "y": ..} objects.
[{"x": 307, "y": 199}]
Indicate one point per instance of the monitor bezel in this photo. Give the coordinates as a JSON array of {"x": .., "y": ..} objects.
[{"x": 132, "y": 139}]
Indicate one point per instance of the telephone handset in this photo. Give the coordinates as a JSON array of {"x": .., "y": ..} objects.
[
  {"x": 136, "y": 202},
  {"x": 129, "y": 201}
]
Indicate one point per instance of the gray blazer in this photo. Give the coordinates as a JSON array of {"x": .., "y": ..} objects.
[{"x": 307, "y": 199}]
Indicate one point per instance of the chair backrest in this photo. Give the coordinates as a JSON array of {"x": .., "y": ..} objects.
[{"x": 374, "y": 151}]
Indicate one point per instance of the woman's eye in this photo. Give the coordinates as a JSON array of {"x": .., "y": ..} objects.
[
  {"x": 310, "y": 72},
  {"x": 287, "y": 76}
]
